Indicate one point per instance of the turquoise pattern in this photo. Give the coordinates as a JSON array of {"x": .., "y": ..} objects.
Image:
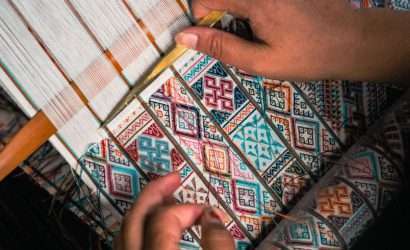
[
  {"x": 197, "y": 69},
  {"x": 258, "y": 141}
]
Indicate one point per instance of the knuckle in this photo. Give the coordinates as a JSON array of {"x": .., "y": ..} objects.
[
  {"x": 222, "y": 238},
  {"x": 159, "y": 215},
  {"x": 216, "y": 45},
  {"x": 219, "y": 233},
  {"x": 218, "y": 237}
]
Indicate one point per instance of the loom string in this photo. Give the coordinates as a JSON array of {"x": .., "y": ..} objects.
[
  {"x": 78, "y": 206},
  {"x": 56, "y": 108},
  {"x": 139, "y": 22},
  {"x": 93, "y": 77},
  {"x": 17, "y": 42},
  {"x": 98, "y": 193},
  {"x": 15, "y": 80},
  {"x": 94, "y": 205}
]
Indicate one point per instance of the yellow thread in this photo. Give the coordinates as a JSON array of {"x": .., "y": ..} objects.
[{"x": 209, "y": 20}]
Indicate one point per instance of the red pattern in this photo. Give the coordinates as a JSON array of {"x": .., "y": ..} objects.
[
  {"x": 154, "y": 131},
  {"x": 176, "y": 159}
]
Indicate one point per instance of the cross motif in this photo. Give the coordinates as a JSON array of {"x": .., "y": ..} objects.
[
  {"x": 122, "y": 183},
  {"x": 216, "y": 159},
  {"x": 335, "y": 201},
  {"x": 246, "y": 197},
  {"x": 306, "y": 135},
  {"x": 300, "y": 231},
  {"x": 277, "y": 99},
  {"x": 186, "y": 120},
  {"x": 154, "y": 154},
  {"x": 218, "y": 93}
]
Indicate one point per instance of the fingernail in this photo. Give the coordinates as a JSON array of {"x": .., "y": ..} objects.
[
  {"x": 188, "y": 40},
  {"x": 212, "y": 217}
]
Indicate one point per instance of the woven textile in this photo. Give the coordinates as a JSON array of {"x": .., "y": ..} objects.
[
  {"x": 251, "y": 146},
  {"x": 250, "y": 158}
]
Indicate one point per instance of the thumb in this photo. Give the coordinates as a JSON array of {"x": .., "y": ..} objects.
[
  {"x": 214, "y": 234},
  {"x": 223, "y": 46}
]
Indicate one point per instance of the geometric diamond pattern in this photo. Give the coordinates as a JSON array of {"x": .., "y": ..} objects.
[
  {"x": 290, "y": 112},
  {"x": 248, "y": 145},
  {"x": 372, "y": 174},
  {"x": 309, "y": 232},
  {"x": 258, "y": 141},
  {"x": 231, "y": 109},
  {"x": 212, "y": 157},
  {"x": 123, "y": 182},
  {"x": 246, "y": 197}
]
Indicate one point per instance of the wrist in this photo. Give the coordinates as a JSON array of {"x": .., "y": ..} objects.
[
  {"x": 379, "y": 48},
  {"x": 340, "y": 46},
  {"x": 347, "y": 51}
]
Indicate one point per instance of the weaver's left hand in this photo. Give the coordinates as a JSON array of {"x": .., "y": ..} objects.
[{"x": 156, "y": 222}]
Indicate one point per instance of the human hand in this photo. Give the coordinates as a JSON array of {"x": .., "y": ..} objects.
[
  {"x": 307, "y": 40},
  {"x": 156, "y": 222}
]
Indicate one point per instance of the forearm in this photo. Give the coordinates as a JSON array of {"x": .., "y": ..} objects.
[{"x": 382, "y": 50}]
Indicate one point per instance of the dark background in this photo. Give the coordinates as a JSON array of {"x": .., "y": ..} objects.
[
  {"x": 26, "y": 222},
  {"x": 29, "y": 219}
]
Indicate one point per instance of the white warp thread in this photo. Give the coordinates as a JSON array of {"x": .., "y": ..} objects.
[{"x": 36, "y": 83}]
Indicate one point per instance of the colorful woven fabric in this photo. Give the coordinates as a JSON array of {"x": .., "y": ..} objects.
[
  {"x": 352, "y": 195},
  {"x": 251, "y": 146},
  {"x": 240, "y": 142}
]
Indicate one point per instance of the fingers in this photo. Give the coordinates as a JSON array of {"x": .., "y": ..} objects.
[
  {"x": 214, "y": 234},
  {"x": 165, "y": 226},
  {"x": 239, "y": 8},
  {"x": 154, "y": 194},
  {"x": 226, "y": 47}
]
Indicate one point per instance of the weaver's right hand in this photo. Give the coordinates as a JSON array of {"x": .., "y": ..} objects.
[
  {"x": 309, "y": 39},
  {"x": 155, "y": 222}
]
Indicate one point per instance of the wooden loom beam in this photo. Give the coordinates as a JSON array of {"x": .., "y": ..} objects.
[{"x": 30, "y": 138}]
